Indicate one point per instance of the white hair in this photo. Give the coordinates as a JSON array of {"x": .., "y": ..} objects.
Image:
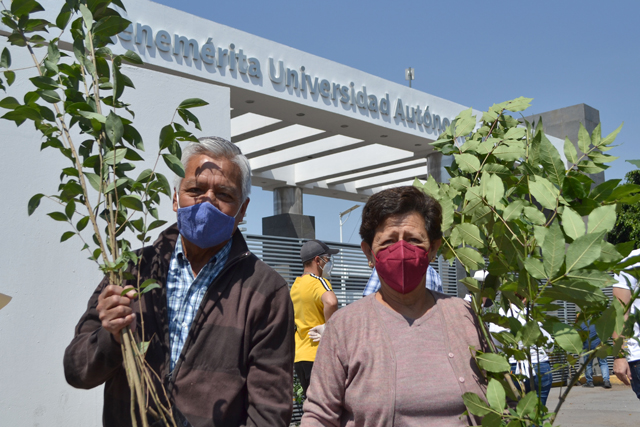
[{"x": 215, "y": 146}]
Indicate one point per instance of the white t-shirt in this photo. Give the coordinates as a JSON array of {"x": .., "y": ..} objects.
[
  {"x": 538, "y": 354},
  {"x": 632, "y": 285}
]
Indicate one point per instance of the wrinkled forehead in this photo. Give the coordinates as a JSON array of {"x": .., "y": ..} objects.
[{"x": 204, "y": 166}]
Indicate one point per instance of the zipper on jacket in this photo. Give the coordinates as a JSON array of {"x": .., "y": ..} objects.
[{"x": 172, "y": 375}]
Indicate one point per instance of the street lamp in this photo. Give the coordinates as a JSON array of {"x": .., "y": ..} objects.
[{"x": 348, "y": 211}]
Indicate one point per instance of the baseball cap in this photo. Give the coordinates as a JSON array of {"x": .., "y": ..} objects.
[{"x": 313, "y": 248}]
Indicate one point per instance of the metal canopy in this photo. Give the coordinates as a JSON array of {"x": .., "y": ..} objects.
[{"x": 326, "y": 154}]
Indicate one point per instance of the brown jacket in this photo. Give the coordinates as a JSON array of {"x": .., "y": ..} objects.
[
  {"x": 353, "y": 378},
  {"x": 236, "y": 365}
]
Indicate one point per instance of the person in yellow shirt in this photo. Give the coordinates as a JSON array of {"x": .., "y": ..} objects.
[{"x": 313, "y": 304}]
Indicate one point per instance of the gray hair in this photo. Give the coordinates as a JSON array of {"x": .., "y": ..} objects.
[{"x": 215, "y": 146}]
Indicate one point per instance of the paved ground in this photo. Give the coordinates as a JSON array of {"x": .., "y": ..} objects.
[{"x": 597, "y": 407}]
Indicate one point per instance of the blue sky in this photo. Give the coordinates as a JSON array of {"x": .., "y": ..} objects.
[{"x": 560, "y": 53}]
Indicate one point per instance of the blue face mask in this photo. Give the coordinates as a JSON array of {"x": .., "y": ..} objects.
[{"x": 204, "y": 225}]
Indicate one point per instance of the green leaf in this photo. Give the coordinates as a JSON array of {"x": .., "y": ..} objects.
[
  {"x": 50, "y": 96},
  {"x": 10, "y": 103},
  {"x": 5, "y": 58},
  {"x": 534, "y": 215},
  {"x": 467, "y": 162},
  {"x": 492, "y": 188},
  {"x": 132, "y": 57},
  {"x": 608, "y": 140},
  {"x": 164, "y": 183},
  {"x": 189, "y": 116},
  {"x": 91, "y": 115},
  {"x": 551, "y": 161},
  {"x": 602, "y": 219},
  {"x": 609, "y": 253},
  {"x": 530, "y": 333},
  {"x": 583, "y": 251},
  {"x": 174, "y": 164},
  {"x": 470, "y": 258},
  {"x": 567, "y": 338},
  {"x": 519, "y": 104},
  {"x": 94, "y": 180},
  {"x": 492, "y": 420},
  {"x": 150, "y": 288},
  {"x": 10, "y": 76},
  {"x": 110, "y": 26},
  {"x": 572, "y": 223},
  {"x": 545, "y": 192},
  {"x": 584, "y": 139},
  {"x": 496, "y": 395},
  {"x": 535, "y": 268},
  {"x": 593, "y": 277},
  {"x": 470, "y": 234},
  {"x": 33, "y": 204},
  {"x": 67, "y": 235},
  {"x": 606, "y": 324},
  {"x": 195, "y": 102},
  {"x": 110, "y": 158},
  {"x": 510, "y": 152},
  {"x": 527, "y": 405},
  {"x": 493, "y": 362},
  {"x": 46, "y": 83},
  {"x": 132, "y": 201},
  {"x": 23, "y": 7},
  {"x": 636, "y": 163},
  {"x": 513, "y": 210},
  {"x": 58, "y": 216},
  {"x": 167, "y": 137},
  {"x": 23, "y": 113},
  {"x": 156, "y": 224},
  {"x": 82, "y": 224},
  {"x": 70, "y": 209},
  {"x": 570, "y": 151},
  {"x": 87, "y": 16},
  {"x": 475, "y": 404},
  {"x": 578, "y": 292},
  {"x": 114, "y": 128},
  {"x": 553, "y": 250},
  {"x": 464, "y": 123}
]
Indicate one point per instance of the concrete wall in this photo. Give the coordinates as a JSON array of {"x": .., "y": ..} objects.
[{"x": 50, "y": 282}]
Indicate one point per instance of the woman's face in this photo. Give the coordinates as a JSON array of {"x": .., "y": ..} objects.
[{"x": 409, "y": 227}]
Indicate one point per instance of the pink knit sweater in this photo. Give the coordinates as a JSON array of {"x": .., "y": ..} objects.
[{"x": 353, "y": 379}]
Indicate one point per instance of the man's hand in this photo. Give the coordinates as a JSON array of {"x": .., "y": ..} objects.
[
  {"x": 622, "y": 370},
  {"x": 316, "y": 332},
  {"x": 114, "y": 310}
]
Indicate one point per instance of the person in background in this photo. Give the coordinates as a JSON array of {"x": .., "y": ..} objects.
[
  {"x": 627, "y": 368},
  {"x": 480, "y": 276},
  {"x": 539, "y": 358},
  {"x": 399, "y": 356},
  {"x": 313, "y": 304},
  {"x": 591, "y": 343}
]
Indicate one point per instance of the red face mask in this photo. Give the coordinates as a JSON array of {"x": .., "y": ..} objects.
[{"x": 402, "y": 266}]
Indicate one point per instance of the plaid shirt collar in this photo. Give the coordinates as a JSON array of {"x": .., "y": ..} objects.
[{"x": 185, "y": 293}]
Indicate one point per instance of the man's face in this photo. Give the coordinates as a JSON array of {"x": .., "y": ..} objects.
[{"x": 214, "y": 180}]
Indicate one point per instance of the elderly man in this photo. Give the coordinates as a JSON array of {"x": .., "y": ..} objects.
[{"x": 221, "y": 324}]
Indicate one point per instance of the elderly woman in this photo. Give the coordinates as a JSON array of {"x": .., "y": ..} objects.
[{"x": 399, "y": 356}]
